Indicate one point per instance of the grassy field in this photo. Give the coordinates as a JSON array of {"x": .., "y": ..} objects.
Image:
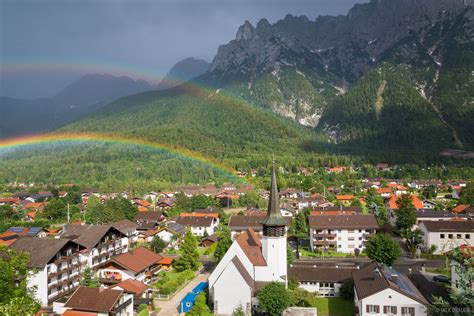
[
  {"x": 307, "y": 253},
  {"x": 333, "y": 306}
]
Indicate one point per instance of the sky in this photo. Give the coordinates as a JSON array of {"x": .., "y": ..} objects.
[{"x": 45, "y": 45}]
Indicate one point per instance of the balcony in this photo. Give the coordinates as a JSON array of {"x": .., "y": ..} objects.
[
  {"x": 325, "y": 242},
  {"x": 325, "y": 235}
]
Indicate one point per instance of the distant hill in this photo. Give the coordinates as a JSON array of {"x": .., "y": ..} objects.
[
  {"x": 81, "y": 97},
  {"x": 183, "y": 71}
]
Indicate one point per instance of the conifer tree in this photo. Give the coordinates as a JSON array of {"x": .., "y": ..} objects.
[{"x": 188, "y": 260}]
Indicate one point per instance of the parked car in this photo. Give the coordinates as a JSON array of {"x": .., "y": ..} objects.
[{"x": 441, "y": 278}]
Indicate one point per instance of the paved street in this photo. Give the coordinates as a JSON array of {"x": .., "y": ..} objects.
[{"x": 171, "y": 307}]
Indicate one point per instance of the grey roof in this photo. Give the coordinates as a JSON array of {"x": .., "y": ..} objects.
[
  {"x": 41, "y": 250},
  {"x": 86, "y": 235},
  {"x": 356, "y": 221},
  {"x": 449, "y": 226},
  {"x": 255, "y": 222},
  {"x": 320, "y": 274},
  {"x": 243, "y": 272},
  {"x": 195, "y": 221},
  {"x": 125, "y": 226},
  {"x": 149, "y": 216},
  {"x": 178, "y": 228},
  {"x": 274, "y": 217},
  {"x": 374, "y": 278},
  {"x": 438, "y": 214}
]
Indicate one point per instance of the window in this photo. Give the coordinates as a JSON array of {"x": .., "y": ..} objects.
[
  {"x": 441, "y": 236},
  {"x": 408, "y": 311},
  {"x": 467, "y": 236},
  {"x": 458, "y": 236},
  {"x": 350, "y": 238},
  {"x": 350, "y": 231},
  {"x": 360, "y": 230},
  {"x": 389, "y": 309},
  {"x": 339, "y": 246},
  {"x": 372, "y": 309},
  {"x": 450, "y": 236}
]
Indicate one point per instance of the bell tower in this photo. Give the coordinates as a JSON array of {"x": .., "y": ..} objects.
[{"x": 274, "y": 242}]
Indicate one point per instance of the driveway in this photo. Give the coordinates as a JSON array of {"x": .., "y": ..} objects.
[{"x": 171, "y": 307}]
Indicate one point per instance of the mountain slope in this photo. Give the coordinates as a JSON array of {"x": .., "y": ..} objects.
[
  {"x": 79, "y": 98},
  {"x": 183, "y": 71}
]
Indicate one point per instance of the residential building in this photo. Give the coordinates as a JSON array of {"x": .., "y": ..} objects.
[
  {"x": 200, "y": 224},
  {"x": 55, "y": 266},
  {"x": 140, "y": 264},
  {"x": 341, "y": 233},
  {"x": 148, "y": 220},
  {"x": 171, "y": 232},
  {"x": 325, "y": 280},
  {"x": 447, "y": 235},
  {"x": 102, "y": 242},
  {"x": 381, "y": 290},
  {"x": 129, "y": 229},
  {"x": 251, "y": 262},
  {"x": 98, "y": 301},
  {"x": 240, "y": 223}
]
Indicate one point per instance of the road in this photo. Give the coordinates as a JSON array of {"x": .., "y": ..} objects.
[{"x": 171, "y": 307}]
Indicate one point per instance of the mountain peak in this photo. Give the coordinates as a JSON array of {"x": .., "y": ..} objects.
[
  {"x": 183, "y": 71},
  {"x": 245, "y": 32}
]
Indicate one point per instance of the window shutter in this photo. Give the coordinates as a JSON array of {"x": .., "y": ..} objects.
[
  {"x": 394, "y": 309},
  {"x": 367, "y": 308},
  {"x": 412, "y": 311},
  {"x": 377, "y": 309}
]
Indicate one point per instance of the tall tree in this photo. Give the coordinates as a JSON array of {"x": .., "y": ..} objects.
[
  {"x": 88, "y": 279},
  {"x": 467, "y": 194},
  {"x": 223, "y": 244},
  {"x": 157, "y": 244},
  {"x": 188, "y": 259},
  {"x": 274, "y": 298},
  {"x": 15, "y": 298},
  {"x": 406, "y": 213},
  {"x": 413, "y": 239},
  {"x": 55, "y": 210},
  {"x": 383, "y": 249}
]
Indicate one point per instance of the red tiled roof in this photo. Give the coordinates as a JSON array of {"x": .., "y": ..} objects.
[
  {"x": 132, "y": 286},
  {"x": 9, "y": 200},
  {"x": 251, "y": 245},
  {"x": 460, "y": 208},
  {"x": 71, "y": 312},
  {"x": 142, "y": 209},
  {"x": 166, "y": 261},
  {"x": 31, "y": 214},
  {"x": 384, "y": 190},
  {"x": 138, "y": 259},
  {"x": 94, "y": 299},
  {"x": 35, "y": 205},
  {"x": 417, "y": 203},
  {"x": 344, "y": 197}
]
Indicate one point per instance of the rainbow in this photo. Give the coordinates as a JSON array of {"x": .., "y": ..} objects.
[{"x": 61, "y": 138}]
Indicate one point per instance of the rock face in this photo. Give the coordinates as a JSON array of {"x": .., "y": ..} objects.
[
  {"x": 333, "y": 53},
  {"x": 183, "y": 71}
]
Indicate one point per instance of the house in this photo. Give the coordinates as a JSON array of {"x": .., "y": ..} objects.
[
  {"x": 138, "y": 289},
  {"x": 102, "y": 242},
  {"x": 336, "y": 210},
  {"x": 55, "y": 266},
  {"x": 166, "y": 203},
  {"x": 384, "y": 192},
  {"x": 240, "y": 223},
  {"x": 381, "y": 290},
  {"x": 29, "y": 231},
  {"x": 148, "y": 220},
  {"x": 209, "y": 240},
  {"x": 171, "y": 232},
  {"x": 251, "y": 262},
  {"x": 324, "y": 280},
  {"x": 341, "y": 233},
  {"x": 345, "y": 199},
  {"x": 447, "y": 235},
  {"x": 200, "y": 224},
  {"x": 98, "y": 301},
  {"x": 431, "y": 215},
  {"x": 140, "y": 264},
  {"x": 461, "y": 265},
  {"x": 129, "y": 229}
]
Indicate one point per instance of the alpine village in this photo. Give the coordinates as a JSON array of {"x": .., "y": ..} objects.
[{"x": 318, "y": 166}]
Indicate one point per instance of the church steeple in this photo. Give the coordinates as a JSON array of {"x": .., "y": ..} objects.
[{"x": 274, "y": 224}]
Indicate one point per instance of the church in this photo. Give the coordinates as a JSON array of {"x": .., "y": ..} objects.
[{"x": 251, "y": 262}]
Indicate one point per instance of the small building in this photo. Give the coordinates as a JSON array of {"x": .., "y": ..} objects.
[
  {"x": 140, "y": 264},
  {"x": 447, "y": 235},
  {"x": 381, "y": 290},
  {"x": 325, "y": 280},
  {"x": 98, "y": 301},
  {"x": 209, "y": 240},
  {"x": 171, "y": 232},
  {"x": 148, "y": 220}
]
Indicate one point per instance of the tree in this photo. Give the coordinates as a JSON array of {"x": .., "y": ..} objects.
[
  {"x": 274, "y": 298},
  {"x": 413, "y": 239},
  {"x": 289, "y": 254},
  {"x": 406, "y": 213},
  {"x": 223, "y": 244},
  {"x": 467, "y": 194},
  {"x": 381, "y": 248},
  {"x": 188, "y": 259},
  {"x": 110, "y": 211},
  {"x": 347, "y": 290},
  {"x": 55, "y": 210},
  {"x": 6, "y": 212},
  {"x": 201, "y": 201},
  {"x": 239, "y": 311},
  {"x": 16, "y": 298},
  {"x": 157, "y": 244},
  {"x": 299, "y": 224},
  {"x": 200, "y": 307},
  {"x": 88, "y": 279}
]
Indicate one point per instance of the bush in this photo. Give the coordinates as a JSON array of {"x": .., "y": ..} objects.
[{"x": 142, "y": 307}]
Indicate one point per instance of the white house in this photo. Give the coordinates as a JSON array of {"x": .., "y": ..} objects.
[
  {"x": 341, "y": 233},
  {"x": 200, "y": 224},
  {"x": 325, "y": 280},
  {"x": 55, "y": 266},
  {"x": 447, "y": 235},
  {"x": 380, "y": 290},
  {"x": 171, "y": 232},
  {"x": 251, "y": 262}
]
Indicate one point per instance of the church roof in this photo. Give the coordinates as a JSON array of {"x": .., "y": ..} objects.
[
  {"x": 243, "y": 272},
  {"x": 274, "y": 217},
  {"x": 251, "y": 245}
]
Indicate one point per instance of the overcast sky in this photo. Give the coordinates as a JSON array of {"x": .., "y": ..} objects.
[{"x": 47, "y": 44}]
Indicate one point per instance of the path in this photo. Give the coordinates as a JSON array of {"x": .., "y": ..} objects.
[
  {"x": 379, "y": 100},
  {"x": 171, "y": 307}
]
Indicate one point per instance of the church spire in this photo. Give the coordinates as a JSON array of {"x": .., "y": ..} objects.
[{"x": 273, "y": 218}]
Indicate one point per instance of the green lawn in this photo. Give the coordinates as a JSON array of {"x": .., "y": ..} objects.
[
  {"x": 143, "y": 313},
  {"x": 333, "y": 306},
  {"x": 307, "y": 253}
]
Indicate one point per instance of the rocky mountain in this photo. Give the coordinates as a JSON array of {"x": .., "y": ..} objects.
[
  {"x": 299, "y": 68},
  {"x": 183, "y": 71},
  {"x": 81, "y": 97}
]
